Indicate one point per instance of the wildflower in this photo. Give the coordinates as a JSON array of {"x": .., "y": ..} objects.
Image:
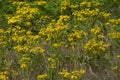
[
  {"x": 52, "y": 63},
  {"x": 96, "y": 4},
  {"x": 118, "y": 56},
  {"x": 82, "y": 71},
  {"x": 114, "y": 67},
  {"x": 95, "y": 46},
  {"x": 114, "y": 35},
  {"x": 29, "y": 33},
  {"x": 3, "y": 75},
  {"x": 51, "y": 59},
  {"x": 95, "y": 30},
  {"x": 24, "y": 61},
  {"x": 65, "y": 73},
  {"x": 106, "y": 15},
  {"x": 73, "y": 6},
  {"x": 18, "y": 48},
  {"x": 85, "y": 3},
  {"x": 1, "y": 31},
  {"x": 64, "y": 5},
  {"x": 23, "y": 66},
  {"x": 38, "y": 50},
  {"x": 15, "y": 19},
  {"x": 42, "y": 76},
  {"x": 76, "y": 35},
  {"x": 40, "y": 3},
  {"x": 73, "y": 77}
]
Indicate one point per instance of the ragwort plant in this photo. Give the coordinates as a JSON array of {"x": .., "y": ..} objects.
[{"x": 63, "y": 40}]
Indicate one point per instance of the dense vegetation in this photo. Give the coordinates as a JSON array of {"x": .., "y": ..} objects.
[{"x": 59, "y": 40}]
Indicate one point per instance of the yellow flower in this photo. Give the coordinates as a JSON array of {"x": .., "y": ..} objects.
[
  {"x": 73, "y": 6},
  {"x": 118, "y": 56},
  {"x": 66, "y": 74},
  {"x": 3, "y": 77},
  {"x": 96, "y": 30},
  {"x": 1, "y": 31},
  {"x": 106, "y": 15},
  {"x": 96, "y": 47},
  {"x": 23, "y": 66},
  {"x": 42, "y": 76},
  {"x": 76, "y": 35},
  {"x": 51, "y": 59},
  {"x": 38, "y": 50},
  {"x": 96, "y": 4},
  {"x": 15, "y": 19},
  {"x": 114, "y": 67},
  {"x": 114, "y": 35},
  {"x": 18, "y": 48},
  {"x": 24, "y": 61},
  {"x": 101, "y": 36},
  {"x": 52, "y": 65},
  {"x": 82, "y": 71},
  {"x": 64, "y": 5},
  {"x": 36, "y": 37},
  {"x": 70, "y": 39},
  {"x": 73, "y": 77},
  {"x": 56, "y": 45},
  {"x": 85, "y": 3},
  {"x": 29, "y": 33},
  {"x": 40, "y": 2},
  {"x": 28, "y": 23}
]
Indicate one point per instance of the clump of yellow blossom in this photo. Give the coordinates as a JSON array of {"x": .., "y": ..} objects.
[
  {"x": 24, "y": 61},
  {"x": 114, "y": 35},
  {"x": 64, "y": 5},
  {"x": 37, "y": 50},
  {"x": 118, "y": 56},
  {"x": 40, "y": 3},
  {"x": 74, "y": 75},
  {"x": 75, "y": 36},
  {"x": 95, "y": 47},
  {"x": 4, "y": 75},
  {"x": 90, "y": 4},
  {"x": 23, "y": 13},
  {"x": 52, "y": 63},
  {"x": 114, "y": 68},
  {"x": 42, "y": 77},
  {"x": 58, "y": 44},
  {"x": 113, "y": 22},
  {"x": 96, "y": 30},
  {"x": 85, "y": 3},
  {"x": 21, "y": 48}
]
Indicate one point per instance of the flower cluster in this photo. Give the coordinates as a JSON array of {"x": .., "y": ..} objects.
[
  {"x": 74, "y": 75},
  {"x": 42, "y": 76},
  {"x": 3, "y": 75},
  {"x": 96, "y": 47},
  {"x": 24, "y": 13},
  {"x": 52, "y": 63},
  {"x": 24, "y": 61}
]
